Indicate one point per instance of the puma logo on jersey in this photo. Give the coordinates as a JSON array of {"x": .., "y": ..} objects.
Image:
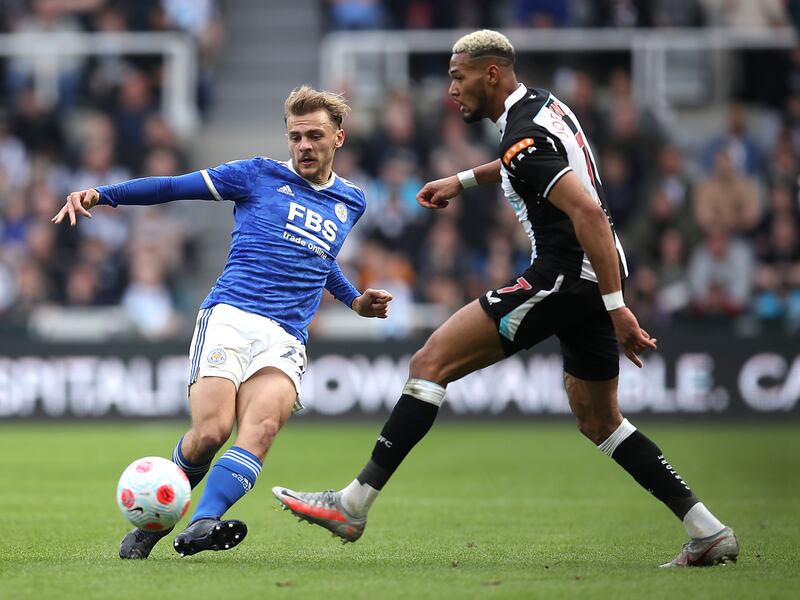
[{"x": 491, "y": 299}]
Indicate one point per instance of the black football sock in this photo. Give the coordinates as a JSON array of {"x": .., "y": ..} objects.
[
  {"x": 640, "y": 457},
  {"x": 412, "y": 417}
]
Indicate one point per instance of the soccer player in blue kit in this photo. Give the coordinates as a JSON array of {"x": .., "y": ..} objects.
[{"x": 248, "y": 351}]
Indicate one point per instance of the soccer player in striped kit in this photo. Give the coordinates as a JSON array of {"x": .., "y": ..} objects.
[
  {"x": 248, "y": 352},
  {"x": 572, "y": 289}
]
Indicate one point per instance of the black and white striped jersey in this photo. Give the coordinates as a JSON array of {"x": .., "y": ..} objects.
[{"x": 541, "y": 141}]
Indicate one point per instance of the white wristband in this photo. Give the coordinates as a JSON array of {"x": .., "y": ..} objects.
[
  {"x": 613, "y": 300},
  {"x": 467, "y": 179}
]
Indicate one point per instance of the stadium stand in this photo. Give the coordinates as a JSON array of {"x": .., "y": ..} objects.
[{"x": 692, "y": 209}]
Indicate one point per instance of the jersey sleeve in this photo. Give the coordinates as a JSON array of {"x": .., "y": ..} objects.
[
  {"x": 232, "y": 180},
  {"x": 340, "y": 287},
  {"x": 535, "y": 157}
]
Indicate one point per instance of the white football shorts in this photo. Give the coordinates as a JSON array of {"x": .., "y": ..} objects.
[{"x": 231, "y": 343}]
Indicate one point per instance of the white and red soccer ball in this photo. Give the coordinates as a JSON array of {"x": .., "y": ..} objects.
[{"x": 153, "y": 493}]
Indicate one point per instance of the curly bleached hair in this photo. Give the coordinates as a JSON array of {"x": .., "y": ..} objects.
[{"x": 485, "y": 42}]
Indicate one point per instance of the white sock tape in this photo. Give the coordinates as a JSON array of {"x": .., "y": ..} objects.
[
  {"x": 427, "y": 391},
  {"x": 621, "y": 434}
]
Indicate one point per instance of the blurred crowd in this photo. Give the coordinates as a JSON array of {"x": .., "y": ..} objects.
[
  {"x": 101, "y": 124},
  {"x": 710, "y": 229},
  {"x": 444, "y": 14},
  {"x": 711, "y": 235}
]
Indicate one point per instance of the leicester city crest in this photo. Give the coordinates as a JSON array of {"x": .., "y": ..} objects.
[
  {"x": 341, "y": 212},
  {"x": 216, "y": 356}
]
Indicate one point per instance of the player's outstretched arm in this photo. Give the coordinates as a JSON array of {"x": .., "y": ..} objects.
[
  {"x": 373, "y": 303},
  {"x": 436, "y": 194},
  {"x": 78, "y": 203},
  {"x": 595, "y": 236},
  {"x": 136, "y": 192}
]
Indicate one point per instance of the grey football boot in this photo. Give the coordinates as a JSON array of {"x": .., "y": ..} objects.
[
  {"x": 720, "y": 548},
  {"x": 324, "y": 509},
  {"x": 137, "y": 543}
]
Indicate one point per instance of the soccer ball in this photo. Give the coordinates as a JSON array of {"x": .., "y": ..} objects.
[{"x": 153, "y": 493}]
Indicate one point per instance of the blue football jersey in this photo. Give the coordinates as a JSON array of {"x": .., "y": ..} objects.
[{"x": 286, "y": 235}]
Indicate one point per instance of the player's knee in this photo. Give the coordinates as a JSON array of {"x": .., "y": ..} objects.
[
  {"x": 259, "y": 433},
  {"x": 598, "y": 429},
  {"x": 428, "y": 363},
  {"x": 211, "y": 436}
]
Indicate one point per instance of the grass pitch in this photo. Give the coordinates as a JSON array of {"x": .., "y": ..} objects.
[{"x": 489, "y": 510}]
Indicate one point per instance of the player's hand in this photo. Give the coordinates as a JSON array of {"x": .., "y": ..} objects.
[
  {"x": 77, "y": 203},
  {"x": 632, "y": 338},
  {"x": 435, "y": 194},
  {"x": 373, "y": 303}
]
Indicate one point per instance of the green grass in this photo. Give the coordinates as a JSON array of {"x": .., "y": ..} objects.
[{"x": 486, "y": 510}]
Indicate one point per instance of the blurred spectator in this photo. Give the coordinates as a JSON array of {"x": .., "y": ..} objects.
[
  {"x": 201, "y": 19},
  {"x": 48, "y": 17},
  {"x": 109, "y": 268},
  {"x": 107, "y": 71},
  {"x": 32, "y": 289},
  {"x": 16, "y": 220},
  {"x": 441, "y": 258},
  {"x": 747, "y": 14},
  {"x": 158, "y": 135},
  {"x": 541, "y": 14},
  {"x": 147, "y": 300},
  {"x": 354, "y": 14},
  {"x": 720, "y": 274},
  {"x": 678, "y": 13},
  {"x": 620, "y": 14},
  {"x": 81, "y": 286},
  {"x": 578, "y": 90},
  {"x": 777, "y": 276},
  {"x": 436, "y": 14},
  {"x": 670, "y": 178},
  {"x": 742, "y": 148},
  {"x": 8, "y": 288},
  {"x": 668, "y": 205},
  {"x": 385, "y": 269},
  {"x": 673, "y": 290},
  {"x": 782, "y": 165},
  {"x": 98, "y": 167},
  {"x": 641, "y": 296},
  {"x": 392, "y": 205},
  {"x": 620, "y": 186},
  {"x": 727, "y": 198},
  {"x": 397, "y": 132},
  {"x": 41, "y": 248},
  {"x": 134, "y": 107},
  {"x": 14, "y": 162},
  {"x": 36, "y": 126}
]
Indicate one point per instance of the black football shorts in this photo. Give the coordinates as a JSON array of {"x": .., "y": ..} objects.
[{"x": 538, "y": 304}]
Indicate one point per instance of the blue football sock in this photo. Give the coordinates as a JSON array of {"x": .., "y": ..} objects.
[
  {"x": 194, "y": 472},
  {"x": 232, "y": 476}
]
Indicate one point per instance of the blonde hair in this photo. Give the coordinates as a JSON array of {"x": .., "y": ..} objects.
[
  {"x": 305, "y": 99},
  {"x": 485, "y": 42}
]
